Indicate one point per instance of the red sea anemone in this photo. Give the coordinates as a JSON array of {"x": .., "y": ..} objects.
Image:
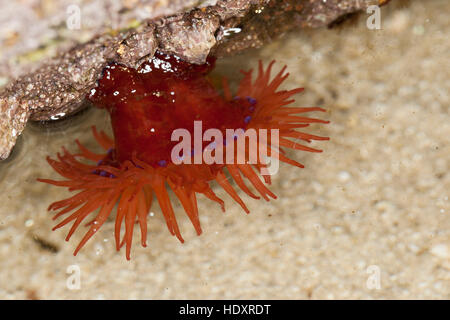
[{"x": 147, "y": 106}]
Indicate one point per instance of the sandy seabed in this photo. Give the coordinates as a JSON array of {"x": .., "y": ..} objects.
[{"x": 374, "y": 203}]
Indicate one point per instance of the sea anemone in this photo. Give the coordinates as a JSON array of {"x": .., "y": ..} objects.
[{"x": 147, "y": 106}]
